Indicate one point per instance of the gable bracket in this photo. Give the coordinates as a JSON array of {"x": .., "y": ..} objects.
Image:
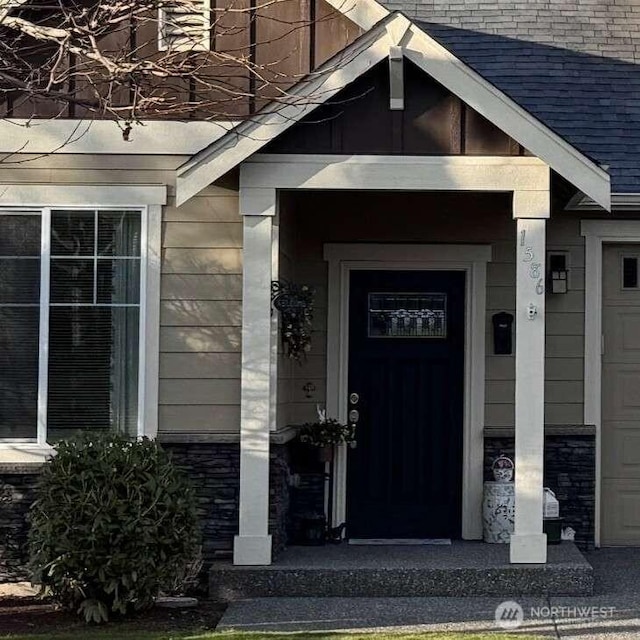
[{"x": 396, "y": 78}]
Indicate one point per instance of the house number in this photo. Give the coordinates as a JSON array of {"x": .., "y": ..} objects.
[{"x": 534, "y": 268}]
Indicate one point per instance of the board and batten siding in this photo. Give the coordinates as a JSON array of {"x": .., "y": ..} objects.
[{"x": 201, "y": 315}]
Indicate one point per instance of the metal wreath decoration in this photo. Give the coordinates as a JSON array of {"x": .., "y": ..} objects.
[{"x": 294, "y": 302}]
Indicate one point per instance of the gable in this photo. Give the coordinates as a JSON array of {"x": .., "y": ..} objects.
[
  {"x": 393, "y": 37},
  {"x": 358, "y": 120}
]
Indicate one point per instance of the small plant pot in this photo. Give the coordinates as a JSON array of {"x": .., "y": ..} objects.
[
  {"x": 313, "y": 530},
  {"x": 325, "y": 454}
]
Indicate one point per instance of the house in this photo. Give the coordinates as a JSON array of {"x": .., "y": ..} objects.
[{"x": 450, "y": 162}]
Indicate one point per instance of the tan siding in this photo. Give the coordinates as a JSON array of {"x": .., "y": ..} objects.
[
  {"x": 199, "y": 392},
  {"x": 369, "y": 221},
  {"x": 196, "y": 235},
  {"x": 201, "y": 315},
  {"x": 201, "y": 287},
  {"x": 196, "y": 261},
  {"x": 199, "y": 365},
  {"x": 564, "y": 369},
  {"x": 200, "y": 339},
  {"x": 286, "y": 367},
  {"x": 187, "y": 418},
  {"x": 213, "y": 313}
]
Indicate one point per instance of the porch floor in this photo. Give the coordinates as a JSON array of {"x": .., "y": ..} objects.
[{"x": 461, "y": 569}]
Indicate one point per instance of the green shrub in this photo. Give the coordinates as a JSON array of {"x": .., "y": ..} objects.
[{"x": 113, "y": 523}]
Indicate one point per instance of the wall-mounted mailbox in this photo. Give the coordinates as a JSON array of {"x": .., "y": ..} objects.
[{"x": 502, "y": 333}]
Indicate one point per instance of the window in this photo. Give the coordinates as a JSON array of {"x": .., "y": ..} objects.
[
  {"x": 70, "y": 315},
  {"x": 630, "y": 279},
  {"x": 407, "y": 315},
  {"x": 185, "y": 27}
]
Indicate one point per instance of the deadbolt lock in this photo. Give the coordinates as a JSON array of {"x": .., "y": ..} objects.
[
  {"x": 354, "y": 415},
  {"x": 354, "y": 398}
]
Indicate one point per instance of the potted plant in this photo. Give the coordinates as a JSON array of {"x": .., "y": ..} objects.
[{"x": 325, "y": 434}]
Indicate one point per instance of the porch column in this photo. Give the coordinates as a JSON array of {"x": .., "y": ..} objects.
[
  {"x": 253, "y": 544},
  {"x": 529, "y": 543}
]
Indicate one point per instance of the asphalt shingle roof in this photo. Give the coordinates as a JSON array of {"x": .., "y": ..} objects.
[{"x": 575, "y": 65}]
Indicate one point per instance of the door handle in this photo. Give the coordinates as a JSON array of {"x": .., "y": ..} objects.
[{"x": 354, "y": 415}]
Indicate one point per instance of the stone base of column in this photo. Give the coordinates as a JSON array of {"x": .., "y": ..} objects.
[
  {"x": 528, "y": 548},
  {"x": 252, "y": 550}
]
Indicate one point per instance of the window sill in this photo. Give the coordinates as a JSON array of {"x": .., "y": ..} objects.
[{"x": 24, "y": 454}]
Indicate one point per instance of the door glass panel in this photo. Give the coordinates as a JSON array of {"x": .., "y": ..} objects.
[
  {"x": 407, "y": 315},
  {"x": 629, "y": 272}
]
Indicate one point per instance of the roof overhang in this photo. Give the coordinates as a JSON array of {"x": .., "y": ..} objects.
[
  {"x": 386, "y": 30},
  {"x": 619, "y": 202}
]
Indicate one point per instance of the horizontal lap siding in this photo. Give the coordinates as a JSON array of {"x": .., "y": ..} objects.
[
  {"x": 565, "y": 313},
  {"x": 564, "y": 362},
  {"x": 201, "y": 284},
  {"x": 201, "y": 316}
]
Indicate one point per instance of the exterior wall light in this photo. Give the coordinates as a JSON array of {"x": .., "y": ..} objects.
[{"x": 558, "y": 273}]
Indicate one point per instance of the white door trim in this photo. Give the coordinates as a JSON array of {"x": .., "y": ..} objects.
[
  {"x": 472, "y": 260},
  {"x": 597, "y": 233}
]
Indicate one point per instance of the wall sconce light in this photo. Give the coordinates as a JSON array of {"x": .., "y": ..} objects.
[{"x": 558, "y": 274}]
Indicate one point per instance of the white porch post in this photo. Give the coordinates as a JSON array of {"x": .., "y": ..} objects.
[
  {"x": 529, "y": 543},
  {"x": 253, "y": 544}
]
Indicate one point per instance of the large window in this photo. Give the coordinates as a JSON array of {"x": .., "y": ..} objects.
[{"x": 70, "y": 291}]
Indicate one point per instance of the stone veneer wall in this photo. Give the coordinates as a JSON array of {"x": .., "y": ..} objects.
[
  {"x": 214, "y": 470},
  {"x": 17, "y": 490},
  {"x": 569, "y": 471}
]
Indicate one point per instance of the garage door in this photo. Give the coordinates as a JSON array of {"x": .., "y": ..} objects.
[{"x": 621, "y": 397}]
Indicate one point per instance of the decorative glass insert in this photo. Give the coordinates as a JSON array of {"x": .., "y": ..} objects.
[
  {"x": 630, "y": 272},
  {"x": 407, "y": 315}
]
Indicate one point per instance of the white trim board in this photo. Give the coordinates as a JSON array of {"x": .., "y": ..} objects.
[
  {"x": 249, "y": 137},
  {"x": 528, "y": 178},
  {"x": 104, "y": 137},
  {"x": 472, "y": 260},
  {"x": 619, "y": 202},
  {"x": 261, "y": 178},
  {"x": 597, "y": 233},
  {"x": 60, "y": 195},
  {"x": 149, "y": 323}
]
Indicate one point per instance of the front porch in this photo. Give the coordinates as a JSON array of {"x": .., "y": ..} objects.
[
  {"x": 463, "y": 568},
  {"x": 446, "y": 241}
]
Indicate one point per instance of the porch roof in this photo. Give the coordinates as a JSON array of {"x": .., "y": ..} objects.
[{"x": 435, "y": 60}]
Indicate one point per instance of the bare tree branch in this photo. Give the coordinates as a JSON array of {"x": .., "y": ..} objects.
[{"x": 101, "y": 58}]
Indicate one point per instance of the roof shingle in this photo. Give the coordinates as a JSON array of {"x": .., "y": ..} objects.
[{"x": 575, "y": 65}]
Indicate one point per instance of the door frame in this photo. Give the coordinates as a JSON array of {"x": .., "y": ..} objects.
[
  {"x": 472, "y": 260},
  {"x": 597, "y": 233}
]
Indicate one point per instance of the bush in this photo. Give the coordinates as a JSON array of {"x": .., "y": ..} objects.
[{"x": 113, "y": 523}]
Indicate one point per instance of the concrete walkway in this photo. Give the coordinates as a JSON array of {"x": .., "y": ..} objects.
[{"x": 613, "y": 613}]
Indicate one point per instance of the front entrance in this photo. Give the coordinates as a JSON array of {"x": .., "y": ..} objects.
[{"x": 406, "y": 381}]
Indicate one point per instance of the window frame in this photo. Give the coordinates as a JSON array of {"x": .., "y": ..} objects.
[
  {"x": 636, "y": 257},
  {"x": 149, "y": 320},
  {"x": 205, "y": 42}
]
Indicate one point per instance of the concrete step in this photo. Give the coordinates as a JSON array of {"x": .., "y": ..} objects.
[{"x": 462, "y": 569}]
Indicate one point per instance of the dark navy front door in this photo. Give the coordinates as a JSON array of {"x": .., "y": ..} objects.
[{"x": 406, "y": 381}]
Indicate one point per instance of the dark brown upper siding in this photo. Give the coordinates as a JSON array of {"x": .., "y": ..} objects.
[
  {"x": 358, "y": 120},
  {"x": 287, "y": 39}
]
